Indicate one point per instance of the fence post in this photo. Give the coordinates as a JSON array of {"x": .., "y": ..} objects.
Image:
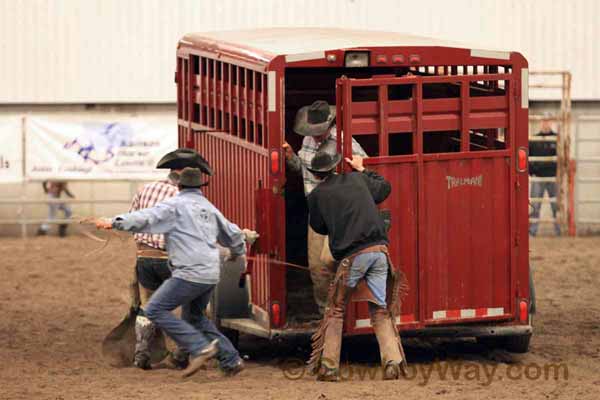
[{"x": 23, "y": 196}]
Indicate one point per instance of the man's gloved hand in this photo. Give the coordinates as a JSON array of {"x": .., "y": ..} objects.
[{"x": 250, "y": 236}]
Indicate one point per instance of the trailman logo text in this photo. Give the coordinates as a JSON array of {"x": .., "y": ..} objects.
[{"x": 455, "y": 181}]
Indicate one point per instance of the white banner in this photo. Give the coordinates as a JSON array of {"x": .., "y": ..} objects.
[
  {"x": 11, "y": 150},
  {"x": 123, "y": 149}
]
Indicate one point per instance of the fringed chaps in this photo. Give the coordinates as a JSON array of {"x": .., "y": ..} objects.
[{"x": 326, "y": 341}]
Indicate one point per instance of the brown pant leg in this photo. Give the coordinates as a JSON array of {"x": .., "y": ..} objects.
[
  {"x": 327, "y": 342},
  {"x": 387, "y": 337},
  {"x": 320, "y": 274}
]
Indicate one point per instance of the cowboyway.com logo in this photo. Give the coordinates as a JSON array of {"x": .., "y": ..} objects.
[
  {"x": 423, "y": 374},
  {"x": 454, "y": 181}
]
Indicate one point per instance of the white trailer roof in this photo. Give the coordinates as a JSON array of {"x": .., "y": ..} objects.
[{"x": 272, "y": 42}]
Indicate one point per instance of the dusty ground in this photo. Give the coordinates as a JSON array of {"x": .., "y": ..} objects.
[{"x": 55, "y": 307}]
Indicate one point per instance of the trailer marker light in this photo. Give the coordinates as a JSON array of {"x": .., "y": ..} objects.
[
  {"x": 414, "y": 59},
  {"x": 354, "y": 59},
  {"x": 522, "y": 159},
  {"x": 523, "y": 311},
  {"x": 276, "y": 313},
  {"x": 381, "y": 59},
  {"x": 397, "y": 58},
  {"x": 331, "y": 58},
  {"x": 274, "y": 162}
]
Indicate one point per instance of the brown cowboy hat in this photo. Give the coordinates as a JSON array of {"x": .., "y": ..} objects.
[{"x": 315, "y": 119}]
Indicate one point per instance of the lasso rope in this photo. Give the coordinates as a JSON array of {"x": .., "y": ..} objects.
[{"x": 92, "y": 221}]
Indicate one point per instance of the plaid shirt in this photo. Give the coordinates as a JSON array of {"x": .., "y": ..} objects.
[
  {"x": 148, "y": 196},
  {"x": 309, "y": 148}
]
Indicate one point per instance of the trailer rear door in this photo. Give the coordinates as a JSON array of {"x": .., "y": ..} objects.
[{"x": 444, "y": 143}]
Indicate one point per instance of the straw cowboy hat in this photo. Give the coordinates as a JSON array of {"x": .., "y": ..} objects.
[
  {"x": 315, "y": 119},
  {"x": 182, "y": 158},
  {"x": 324, "y": 162}
]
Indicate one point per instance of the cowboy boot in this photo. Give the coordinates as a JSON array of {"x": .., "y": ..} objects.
[
  {"x": 177, "y": 359},
  {"x": 392, "y": 359},
  {"x": 144, "y": 333},
  {"x": 62, "y": 230}
]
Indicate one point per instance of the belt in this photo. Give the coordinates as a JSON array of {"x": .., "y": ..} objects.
[
  {"x": 378, "y": 248},
  {"x": 145, "y": 251}
]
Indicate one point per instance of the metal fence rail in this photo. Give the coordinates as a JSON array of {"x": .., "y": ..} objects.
[
  {"x": 564, "y": 200},
  {"x": 21, "y": 202}
]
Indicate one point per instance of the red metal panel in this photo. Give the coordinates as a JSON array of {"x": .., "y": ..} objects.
[
  {"x": 383, "y": 117},
  {"x": 467, "y": 248},
  {"x": 459, "y": 229},
  {"x": 464, "y": 116}
]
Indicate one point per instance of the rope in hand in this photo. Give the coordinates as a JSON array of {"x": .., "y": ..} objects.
[{"x": 92, "y": 221}]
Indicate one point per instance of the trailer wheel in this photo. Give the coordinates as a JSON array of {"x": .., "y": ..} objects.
[
  {"x": 518, "y": 344},
  {"x": 229, "y": 300},
  {"x": 513, "y": 344},
  {"x": 492, "y": 342}
]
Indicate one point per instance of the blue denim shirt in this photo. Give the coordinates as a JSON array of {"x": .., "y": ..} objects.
[{"x": 192, "y": 227}]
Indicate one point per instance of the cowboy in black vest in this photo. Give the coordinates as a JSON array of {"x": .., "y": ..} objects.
[{"x": 344, "y": 207}]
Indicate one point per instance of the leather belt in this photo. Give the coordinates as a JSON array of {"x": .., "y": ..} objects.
[
  {"x": 145, "y": 251},
  {"x": 371, "y": 249}
]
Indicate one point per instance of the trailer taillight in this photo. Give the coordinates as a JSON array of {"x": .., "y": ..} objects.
[
  {"x": 523, "y": 311},
  {"x": 274, "y": 161},
  {"x": 522, "y": 159},
  {"x": 276, "y": 314}
]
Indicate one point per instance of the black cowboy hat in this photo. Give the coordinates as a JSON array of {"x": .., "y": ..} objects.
[
  {"x": 191, "y": 177},
  {"x": 324, "y": 162},
  {"x": 314, "y": 120},
  {"x": 182, "y": 158}
]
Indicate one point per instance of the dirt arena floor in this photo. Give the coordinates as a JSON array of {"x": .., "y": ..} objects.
[{"x": 56, "y": 306}]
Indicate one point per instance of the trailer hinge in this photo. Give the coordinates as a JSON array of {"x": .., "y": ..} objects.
[{"x": 517, "y": 240}]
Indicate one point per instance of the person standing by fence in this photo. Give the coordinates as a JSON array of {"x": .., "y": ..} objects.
[
  {"x": 54, "y": 190},
  {"x": 543, "y": 145}
]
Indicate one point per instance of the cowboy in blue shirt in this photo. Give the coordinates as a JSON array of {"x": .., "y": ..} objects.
[{"x": 193, "y": 229}]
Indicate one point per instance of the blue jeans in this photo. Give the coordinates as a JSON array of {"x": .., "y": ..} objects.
[
  {"x": 374, "y": 268},
  {"x": 194, "y": 331},
  {"x": 53, "y": 208},
  {"x": 537, "y": 191}
]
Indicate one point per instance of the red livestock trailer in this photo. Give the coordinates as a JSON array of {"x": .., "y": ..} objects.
[{"x": 446, "y": 124}]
